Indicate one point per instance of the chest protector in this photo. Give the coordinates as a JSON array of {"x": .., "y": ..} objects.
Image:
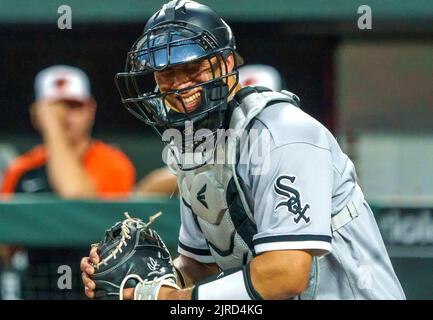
[{"x": 215, "y": 194}]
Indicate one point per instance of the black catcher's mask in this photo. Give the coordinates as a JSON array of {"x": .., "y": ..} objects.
[{"x": 182, "y": 33}]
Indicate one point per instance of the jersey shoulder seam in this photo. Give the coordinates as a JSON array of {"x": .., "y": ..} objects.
[{"x": 300, "y": 142}]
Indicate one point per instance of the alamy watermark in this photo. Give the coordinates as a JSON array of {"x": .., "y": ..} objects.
[
  {"x": 64, "y": 281},
  {"x": 191, "y": 148},
  {"x": 365, "y": 20},
  {"x": 65, "y": 19}
]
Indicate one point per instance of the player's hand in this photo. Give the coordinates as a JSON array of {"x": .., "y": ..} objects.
[
  {"x": 87, "y": 269},
  {"x": 48, "y": 115}
]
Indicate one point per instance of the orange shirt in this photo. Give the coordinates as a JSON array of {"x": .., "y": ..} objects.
[{"x": 110, "y": 169}]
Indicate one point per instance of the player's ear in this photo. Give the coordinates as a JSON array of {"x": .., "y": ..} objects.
[
  {"x": 230, "y": 62},
  {"x": 225, "y": 62}
]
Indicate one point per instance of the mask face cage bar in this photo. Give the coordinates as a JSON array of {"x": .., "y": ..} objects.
[
  {"x": 157, "y": 108},
  {"x": 151, "y": 106}
]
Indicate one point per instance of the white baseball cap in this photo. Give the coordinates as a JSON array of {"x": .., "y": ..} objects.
[
  {"x": 62, "y": 82},
  {"x": 260, "y": 75}
]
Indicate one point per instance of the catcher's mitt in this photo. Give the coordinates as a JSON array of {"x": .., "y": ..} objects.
[{"x": 133, "y": 254}]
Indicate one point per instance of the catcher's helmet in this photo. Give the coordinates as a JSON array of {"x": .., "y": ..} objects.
[{"x": 182, "y": 32}]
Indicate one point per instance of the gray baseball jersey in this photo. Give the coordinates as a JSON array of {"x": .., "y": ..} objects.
[{"x": 295, "y": 191}]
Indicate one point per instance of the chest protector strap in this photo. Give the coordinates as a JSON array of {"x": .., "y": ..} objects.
[{"x": 250, "y": 102}]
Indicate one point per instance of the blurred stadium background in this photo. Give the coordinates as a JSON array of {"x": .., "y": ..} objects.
[{"x": 372, "y": 88}]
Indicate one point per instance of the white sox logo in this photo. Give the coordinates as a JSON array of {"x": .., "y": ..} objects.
[
  {"x": 155, "y": 268},
  {"x": 293, "y": 202}
]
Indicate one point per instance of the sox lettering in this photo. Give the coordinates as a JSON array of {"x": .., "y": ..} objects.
[{"x": 293, "y": 202}]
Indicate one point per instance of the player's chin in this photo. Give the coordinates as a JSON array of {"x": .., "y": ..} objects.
[{"x": 191, "y": 108}]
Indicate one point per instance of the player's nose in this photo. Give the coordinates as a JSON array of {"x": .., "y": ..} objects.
[{"x": 181, "y": 80}]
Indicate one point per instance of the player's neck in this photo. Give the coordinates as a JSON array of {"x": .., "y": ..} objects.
[{"x": 236, "y": 89}]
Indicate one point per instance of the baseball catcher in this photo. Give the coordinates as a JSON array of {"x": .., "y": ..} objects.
[
  {"x": 132, "y": 255},
  {"x": 271, "y": 209}
]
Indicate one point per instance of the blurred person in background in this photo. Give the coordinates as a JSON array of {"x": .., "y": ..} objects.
[
  {"x": 70, "y": 162},
  {"x": 261, "y": 75},
  {"x": 7, "y": 154},
  {"x": 159, "y": 182},
  {"x": 162, "y": 182}
]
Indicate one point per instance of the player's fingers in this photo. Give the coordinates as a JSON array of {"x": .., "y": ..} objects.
[
  {"x": 128, "y": 294},
  {"x": 89, "y": 293},
  {"x": 94, "y": 258},
  {"x": 85, "y": 266},
  {"x": 88, "y": 283},
  {"x": 84, "y": 263}
]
